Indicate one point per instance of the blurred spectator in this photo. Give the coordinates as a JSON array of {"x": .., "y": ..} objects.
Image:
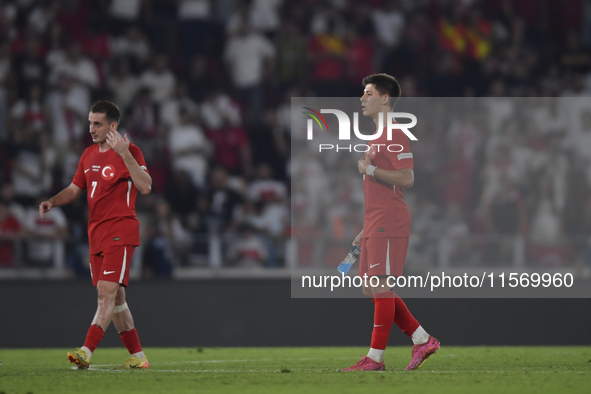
[
  {"x": 171, "y": 110},
  {"x": 231, "y": 148},
  {"x": 291, "y": 56},
  {"x": 124, "y": 13},
  {"x": 249, "y": 56},
  {"x": 27, "y": 166},
  {"x": 546, "y": 225},
  {"x": 507, "y": 210},
  {"x": 73, "y": 16},
  {"x": 143, "y": 116},
  {"x": 265, "y": 188},
  {"x": 326, "y": 53},
  {"x": 454, "y": 178},
  {"x": 199, "y": 80},
  {"x": 56, "y": 53},
  {"x": 268, "y": 16},
  {"x": 70, "y": 163},
  {"x": 5, "y": 73},
  {"x": 123, "y": 84},
  {"x": 181, "y": 190},
  {"x": 225, "y": 204},
  {"x": 97, "y": 46},
  {"x": 31, "y": 109},
  {"x": 194, "y": 16},
  {"x": 576, "y": 58},
  {"x": 270, "y": 144},
  {"x": 455, "y": 241},
  {"x": 261, "y": 15},
  {"x": 157, "y": 257},
  {"x": 30, "y": 65},
  {"x": 267, "y": 218},
  {"x": 159, "y": 80},
  {"x": 579, "y": 134},
  {"x": 170, "y": 227},
  {"x": 548, "y": 117},
  {"x": 47, "y": 234},
  {"x": 218, "y": 108},
  {"x": 133, "y": 46},
  {"x": 67, "y": 108},
  {"x": 8, "y": 15},
  {"x": 10, "y": 229},
  {"x": 248, "y": 251},
  {"x": 360, "y": 60},
  {"x": 444, "y": 81},
  {"x": 42, "y": 14},
  {"x": 48, "y": 160},
  {"x": 189, "y": 149},
  {"x": 78, "y": 68},
  {"x": 389, "y": 23},
  {"x": 15, "y": 209}
]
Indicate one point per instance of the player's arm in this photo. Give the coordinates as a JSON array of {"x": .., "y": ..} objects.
[
  {"x": 404, "y": 177},
  {"x": 357, "y": 240},
  {"x": 141, "y": 179},
  {"x": 64, "y": 197}
]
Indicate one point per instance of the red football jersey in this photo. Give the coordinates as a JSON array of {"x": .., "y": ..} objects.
[
  {"x": 386, "y": 213},
  {"x": 111, "y": 197}
]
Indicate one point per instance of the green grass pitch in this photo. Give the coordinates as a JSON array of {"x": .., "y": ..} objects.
[{"x": 301, "y": 370}]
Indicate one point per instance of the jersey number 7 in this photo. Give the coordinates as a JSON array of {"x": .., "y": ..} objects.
[{"x": 94, "y": 183}]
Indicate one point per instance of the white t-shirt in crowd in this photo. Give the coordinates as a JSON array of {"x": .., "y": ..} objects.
[
  {"x": 55, "y": 220},
  {"x": 161, "y": 85},
  {"x": 126, "y": 9},
  {"x": 246, "y": 56},
  {"x": 184, "y": 138},
  {"x": 194, "y": 9},
  {"x": 388, "y": 26}
]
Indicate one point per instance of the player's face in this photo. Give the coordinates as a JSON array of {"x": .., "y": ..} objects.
[
  {"x": 371, "y": 101},
  {"x": 98, "y": 127}
]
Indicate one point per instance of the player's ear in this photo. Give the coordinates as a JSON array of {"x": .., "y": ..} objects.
[
  {"x": 385, "y": 99},
  {"x": 114, "y": 125}
]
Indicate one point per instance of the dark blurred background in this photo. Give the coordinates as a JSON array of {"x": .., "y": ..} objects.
[
  {"x": 205, "y": 90},
  {"x": 205, "y": 87}
]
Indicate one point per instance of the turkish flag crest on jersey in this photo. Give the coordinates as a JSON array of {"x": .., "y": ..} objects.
[{"x": 108, "y": 172}]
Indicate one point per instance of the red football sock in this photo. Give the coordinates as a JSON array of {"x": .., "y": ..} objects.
[
  {"x": 131, "y": 341},
  {"x": 404, "y": 319},
  {"x": 383, "y": 318},
  {"x": 93, "y": 337}
]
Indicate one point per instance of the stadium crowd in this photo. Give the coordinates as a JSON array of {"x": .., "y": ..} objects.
[{"x": 205, "y": 86}]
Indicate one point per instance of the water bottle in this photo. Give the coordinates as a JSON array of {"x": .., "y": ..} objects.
[{"x": 351, "y": 258}]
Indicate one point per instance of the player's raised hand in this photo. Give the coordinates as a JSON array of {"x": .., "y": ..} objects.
[
  {"x": 120, "y": 145},
  {"x": 363, "y": 163},
  {"x": 44, "y": 207}
]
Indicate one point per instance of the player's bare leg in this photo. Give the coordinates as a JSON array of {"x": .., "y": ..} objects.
[
  {"x": 107, "y": 292},
  {"x": 122, "y": 318},
  {"x": 123, "y": 321}
]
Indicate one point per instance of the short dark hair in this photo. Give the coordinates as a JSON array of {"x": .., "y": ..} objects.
[
  {"x": 111, "y": 111},
  {"x": 385, "y": 84}
]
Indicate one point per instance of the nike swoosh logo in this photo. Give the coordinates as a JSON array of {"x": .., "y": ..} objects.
[
  {"x": 105, "y": 272},
  {"x": 85, "y": 171},
  {"x": 375, "y": 265},
  {"x": 379, "y": 325},
  {"x": 134, "y": 366}
]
